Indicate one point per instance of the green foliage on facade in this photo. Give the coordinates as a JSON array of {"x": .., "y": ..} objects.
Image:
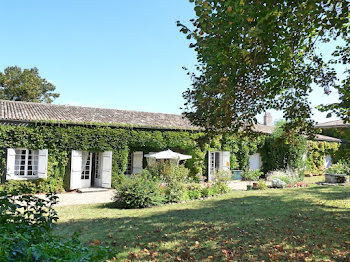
[
  {"x": 316, "y": 152},
  {"x": 343, "y": 153},
  {"x": 60, "y": 140},
  {"x": 281, "y": 152}
]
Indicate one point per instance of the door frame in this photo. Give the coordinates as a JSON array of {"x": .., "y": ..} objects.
[
  {"x": 86, "y": 183},
  {"x": 97, "y": 172}
]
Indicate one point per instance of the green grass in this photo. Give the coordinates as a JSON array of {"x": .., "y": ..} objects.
[
  {"x": 313, "y": 179},
  {"x": 310, "y": 223}
]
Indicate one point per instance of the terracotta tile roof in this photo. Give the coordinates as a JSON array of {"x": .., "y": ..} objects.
[
  {"x": 328, "y": 139},
  {"x": 22, "y": 112},
  {"x": 38, "y": 112},
  {"x": 333, "y": 124},
  {"x": 264, "y": 129}
]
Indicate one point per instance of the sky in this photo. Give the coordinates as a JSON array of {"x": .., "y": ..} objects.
[{"x": 114, "y": 54}]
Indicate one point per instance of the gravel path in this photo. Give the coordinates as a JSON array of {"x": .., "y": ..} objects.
[
  {"x": 74, "y": 198},
  {"x": 239, "y": 185}
]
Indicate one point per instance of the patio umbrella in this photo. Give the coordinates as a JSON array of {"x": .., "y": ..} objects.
[{"x": 168, "y": 154}]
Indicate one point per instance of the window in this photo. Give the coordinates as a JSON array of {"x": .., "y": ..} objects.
[
  {"x": 26, "y": 163},
  {"x": 128, "y": 170}
]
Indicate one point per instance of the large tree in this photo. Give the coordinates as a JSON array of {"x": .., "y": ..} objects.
[
  {"x": 25, "y": 85},
  {"x": 262, "y": 54}
]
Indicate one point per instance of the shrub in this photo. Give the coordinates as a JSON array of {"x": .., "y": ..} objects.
[
  {"x": 50, "y": 185},
  {"x": 261, "y": 185},
  {"x": 168, "y": 170},
  {"x": 26, "y": 236},
  {"x": 220, "y": 188},
  {"x": 208, "y": 191},
  {"x": 222, "y": 176},
  {"x": 339, "y": 168},
  {"x": 221, "y": 179},
  {"x": 287, "y": 176},
  {"x": 173, "y": 175},
  {"x": 139, "y": 191},
  {"x": 252, "y": 175},
  {"x": 194, "y": 194},
  {"x": 175, "y": 191},
  {"x": 194, "y": 191}
]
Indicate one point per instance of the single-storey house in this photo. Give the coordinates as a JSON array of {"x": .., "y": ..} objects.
[{"x": 85, "y": 146}]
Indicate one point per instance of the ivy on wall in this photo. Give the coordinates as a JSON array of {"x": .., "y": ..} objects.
[
  {"x": 281, "y": 152},
  {"x": 343, "y": 153},
  {"x": 60, "y": 140},
  {"x": 316, "y": 152},
  {"x": 241, "y": 148}
]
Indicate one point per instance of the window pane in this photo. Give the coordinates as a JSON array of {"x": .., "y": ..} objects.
[{"x": 26, "y": 160}]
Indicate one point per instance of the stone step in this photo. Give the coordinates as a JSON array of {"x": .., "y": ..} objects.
[{"x": 92, "y": 189}]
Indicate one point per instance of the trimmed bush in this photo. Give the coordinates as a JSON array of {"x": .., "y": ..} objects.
[{"x": 139, "y": 191}]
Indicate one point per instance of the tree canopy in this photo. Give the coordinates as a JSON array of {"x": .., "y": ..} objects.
[
  {"x": 263, "y": 54},
  {"x": 25, "y": 85}
]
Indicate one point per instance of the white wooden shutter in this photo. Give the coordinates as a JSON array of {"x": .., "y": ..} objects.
[
  {"x": 327, "y": 161},
  {"x": 211, "y": 165},
  {"x": 218, "y": 160},
  {"x": 42, "y": 163},
  {"x": 137, "y": 162},
  {"x": 76, "y": 169},
  {"x": 225, "y": 160},
  {"x": 11, "y": 157},
  {"x": 255, "y": 161},
  {"x": 106, "y": 174},
  {"x": 151, "y": 160}
]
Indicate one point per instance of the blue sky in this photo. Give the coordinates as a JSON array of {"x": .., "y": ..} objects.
[{"x": 117, "y": 54}]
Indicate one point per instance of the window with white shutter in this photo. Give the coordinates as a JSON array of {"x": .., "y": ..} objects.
[
  {"x": 137, "y": 162},
  {"x": 25, "y": 164},
  {"x": 107, "y": 169}
]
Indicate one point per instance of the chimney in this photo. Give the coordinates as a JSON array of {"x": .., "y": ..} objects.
[{"x": 267, "y": 119}]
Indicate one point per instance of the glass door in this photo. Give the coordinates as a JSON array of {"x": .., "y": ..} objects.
[{"x": 86, "y": 170}]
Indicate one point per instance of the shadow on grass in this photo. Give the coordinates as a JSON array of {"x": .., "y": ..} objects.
[
  {"x": 269, "y": 225},
  {"x": 330, "y": 192}
]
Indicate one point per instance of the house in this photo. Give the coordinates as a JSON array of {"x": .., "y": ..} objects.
[
  {"x": 80, "y": 147},
  {"x": 333, "y": 124}
]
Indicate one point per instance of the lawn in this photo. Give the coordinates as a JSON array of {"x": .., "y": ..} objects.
[{"x": 302, "y": 224}]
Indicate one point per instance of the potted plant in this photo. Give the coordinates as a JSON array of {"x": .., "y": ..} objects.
[{"x": 251, "y": 175}]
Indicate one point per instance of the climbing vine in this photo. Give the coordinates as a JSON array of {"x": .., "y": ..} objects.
[
  {"x": 61, "y": 139},
  {"x": 281, "y": 152},
  {"x": 316, "y": 153}
]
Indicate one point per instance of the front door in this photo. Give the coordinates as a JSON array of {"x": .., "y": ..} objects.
[{"x": 86, "y": 169}]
